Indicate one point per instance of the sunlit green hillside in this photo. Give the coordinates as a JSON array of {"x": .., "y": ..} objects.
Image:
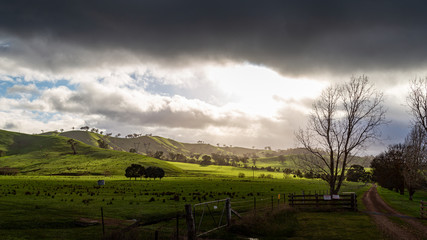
[{"x": 42, "y": 155}]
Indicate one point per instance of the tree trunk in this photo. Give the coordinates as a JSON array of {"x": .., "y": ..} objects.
[{"x": 411, "y": 192}]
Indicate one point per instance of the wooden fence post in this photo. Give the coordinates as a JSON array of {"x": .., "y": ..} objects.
[
  {"x": 228, "y": 210},
  {"x": 317, "y": 200},
  {"x": 102, "y": 217},
  {"x": 303, "y": 196},
  {"x": 254, "y": 205},
  {"x": 355, "y": 202},
  {"x": 177, "y": 226},
  {"x": 353, "y": 205},
  {"x": 284, "y": 198},
  {"x": 191, "y": 226},
  {"x": 271, "y": 202},
  {"x": 422, "y": 209},
  {"x": 291, "y": 199}
]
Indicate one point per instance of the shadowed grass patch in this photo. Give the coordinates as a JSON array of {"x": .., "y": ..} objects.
[{"x": 281, "y": 223}]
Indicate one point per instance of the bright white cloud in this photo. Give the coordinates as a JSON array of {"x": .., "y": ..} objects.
[
  {"x": 256, "y": 89},
  {"x": 234, "y": 103}
]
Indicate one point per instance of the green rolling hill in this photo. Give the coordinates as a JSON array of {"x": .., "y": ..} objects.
[
  {"x": 144, "y": 144},
  {"x": 50, "y": 154}
]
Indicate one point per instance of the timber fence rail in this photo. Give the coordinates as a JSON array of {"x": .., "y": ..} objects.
[
  {"x": 423, "y": 209},
  {"x": 318, "y": 201}
]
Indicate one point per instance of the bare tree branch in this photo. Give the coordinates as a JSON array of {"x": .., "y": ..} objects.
[{"x": 344, "y": 119}]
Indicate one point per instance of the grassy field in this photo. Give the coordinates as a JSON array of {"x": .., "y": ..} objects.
[
  {"x": 215, "y": 170},
  {"x": 47, "y": 207},
  {"x": 49, "y": 199},
  {"x": 275, "y": 162}
]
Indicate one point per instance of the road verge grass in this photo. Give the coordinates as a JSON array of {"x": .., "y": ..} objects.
[{"x": 401, "y": 202}]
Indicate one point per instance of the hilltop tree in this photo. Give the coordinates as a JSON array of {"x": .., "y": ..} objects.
[
  {"x": 344, "y": 119},
  {"x": 72, "y": 143},
  {"x": 85, "y": 128}
]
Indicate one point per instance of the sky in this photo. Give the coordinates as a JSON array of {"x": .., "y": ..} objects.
[{"x": 240, "y": 73}]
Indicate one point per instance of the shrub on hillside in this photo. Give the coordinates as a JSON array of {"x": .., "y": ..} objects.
[
  {"x": 206, "y": 160},
  {"x": 8, "y": 171},
  {"x": 154, "y": 172},
  {"x": 241, "y": 175}
]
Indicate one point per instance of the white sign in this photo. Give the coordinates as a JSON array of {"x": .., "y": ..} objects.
[
  {"x": 327, "y": 197},
  {"x": 335, "y": 196},
  {"x": 215, "y": 207}
]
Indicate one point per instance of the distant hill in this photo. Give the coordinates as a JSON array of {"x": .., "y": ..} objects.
[
  {"x": 145, "y": 144},
  {"x": 51, "y": 154}
]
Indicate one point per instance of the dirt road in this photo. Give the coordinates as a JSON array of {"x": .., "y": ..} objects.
[{"x": 381, "y": 214}]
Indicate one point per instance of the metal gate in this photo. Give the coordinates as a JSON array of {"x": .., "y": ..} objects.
[{"x": 210, "y": 216}]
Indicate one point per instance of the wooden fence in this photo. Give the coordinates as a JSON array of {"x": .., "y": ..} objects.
[
  {"x": 318, "y": 201},
  {"x": 423, "y": 209}
]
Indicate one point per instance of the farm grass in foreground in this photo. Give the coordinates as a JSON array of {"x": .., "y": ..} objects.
[{"x": 47, "y": 207}]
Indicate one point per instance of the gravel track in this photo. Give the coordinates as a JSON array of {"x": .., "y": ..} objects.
[{"x": 381, "y": 213}]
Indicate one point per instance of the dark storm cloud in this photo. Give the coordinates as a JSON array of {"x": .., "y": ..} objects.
[{"x": 291, "y": 36}]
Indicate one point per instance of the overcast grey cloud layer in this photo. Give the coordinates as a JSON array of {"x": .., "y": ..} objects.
[{"x": 294, "y": 37}]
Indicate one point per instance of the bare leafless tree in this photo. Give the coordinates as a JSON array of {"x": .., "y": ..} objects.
[
  {"x": 417, "y": 101},
  {"x": 344, "y": 119},
  {"x": 415, "y": 160}
]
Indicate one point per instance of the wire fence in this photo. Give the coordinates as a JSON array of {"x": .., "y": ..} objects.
[
  {"x": 173, "y": 225},
  {"x": 208, "y": 216}
]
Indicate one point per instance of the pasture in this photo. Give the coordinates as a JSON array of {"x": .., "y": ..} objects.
[
  {"x": 47, "y": 207},
  {"x": 401, "y": 202}
]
